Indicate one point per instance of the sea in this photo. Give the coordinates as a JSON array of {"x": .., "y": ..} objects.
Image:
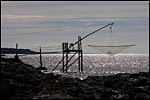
[{"x": 93, "y": 64}]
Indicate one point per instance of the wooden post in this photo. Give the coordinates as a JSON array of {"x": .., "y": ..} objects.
[
  {"x": 16, "y": 49},
  {"x": 16, "y": 56},
  {"x": 40, "y": 58},
  {"x": 79, "y": 63},
  {"x": 81, "y": 55},
  {"x": 81, "y": 59},
  {"x": 63, "y": 56},
  {"x": 67, "y": 50}
]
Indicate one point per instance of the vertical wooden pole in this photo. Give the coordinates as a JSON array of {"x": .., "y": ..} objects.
[
  {"x": 63, "y": 56},
  {"x": 79, "y": 63},
  {"x": 40, "y": 57},
  {"x": 67, "y": 56},
  {"x": 16, "y": 56},
  {"x": 16, "y": 49},
  {"x": 81, "y": 56}
]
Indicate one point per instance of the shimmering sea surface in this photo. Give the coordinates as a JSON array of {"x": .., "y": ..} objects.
[{"x": 93, "y": 64}]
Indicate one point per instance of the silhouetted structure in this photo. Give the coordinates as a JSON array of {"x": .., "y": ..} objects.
[
  {"x": 67, "y": 50},
  {"x": 41, "y": 66},
  {"x": 16, "y": 56},
  {"x": 40, "y": 58}
]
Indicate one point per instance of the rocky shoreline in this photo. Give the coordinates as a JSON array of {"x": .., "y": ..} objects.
[{"x": 22, "y": 81}]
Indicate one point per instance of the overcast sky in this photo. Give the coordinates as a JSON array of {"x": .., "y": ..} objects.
[{"x": 49, "y": 23}]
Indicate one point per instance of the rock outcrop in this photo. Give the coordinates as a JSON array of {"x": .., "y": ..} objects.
[{"x": 22, "y": 81}]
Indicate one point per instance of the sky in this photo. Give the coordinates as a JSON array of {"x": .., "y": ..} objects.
[{"x": 49, "y": 23}]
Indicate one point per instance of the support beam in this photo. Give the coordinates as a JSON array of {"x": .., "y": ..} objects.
[
  {"x": 67, "y": 62},
  {"x": 40, "y": 58},
  {"x": 16, "y": 56},
  {"x": 82, "y": 61},
  {"x": 79, "y": 54},
  {"x": 16, "y": 49},
  {"x": 63, "y": 66},
  {"x": 66, "y": 48},
  {"x": 79, "y": 63},
  {"x": 70, "y": 59},
  {"x": 73, "y": 62}
]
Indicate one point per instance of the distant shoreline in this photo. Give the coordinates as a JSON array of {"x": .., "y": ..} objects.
[{"x": 21, "y": 51}]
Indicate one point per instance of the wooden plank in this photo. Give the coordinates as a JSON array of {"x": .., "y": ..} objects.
[{"x": 72, "y": 50}]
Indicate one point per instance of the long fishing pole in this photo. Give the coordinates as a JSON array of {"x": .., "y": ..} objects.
[{"x": 93, "y": 32}]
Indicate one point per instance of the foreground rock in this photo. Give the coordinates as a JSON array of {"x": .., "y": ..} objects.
[{"x": 22, "y": 81}]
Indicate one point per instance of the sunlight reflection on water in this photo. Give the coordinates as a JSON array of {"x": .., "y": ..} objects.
[{"x": 94, "y": 64}]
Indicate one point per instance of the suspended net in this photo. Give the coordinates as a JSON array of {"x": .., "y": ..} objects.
[
  {"x": 111, "y": 50},
  {"x": 50, "y": 49}
]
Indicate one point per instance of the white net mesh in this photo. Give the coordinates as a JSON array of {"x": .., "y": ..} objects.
[{"x": 111, "y": 50}]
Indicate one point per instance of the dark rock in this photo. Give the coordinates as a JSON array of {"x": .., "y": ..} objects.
[
  {"x": 41, "y": 68},
  {"x": 22, "y": 81}
]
